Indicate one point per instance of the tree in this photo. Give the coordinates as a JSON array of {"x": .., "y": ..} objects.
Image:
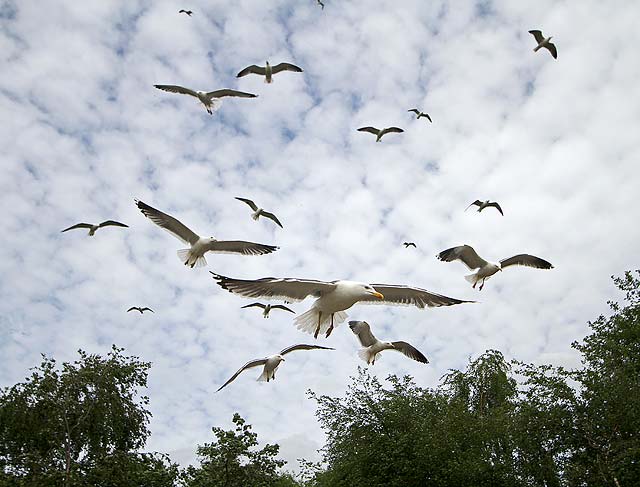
[
  {"x": 233, "y": 461},
  {"x": 66, "y": 425}
]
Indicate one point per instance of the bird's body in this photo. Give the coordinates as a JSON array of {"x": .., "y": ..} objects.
[
  {"x": 266, "y": 308},
  {"x": 93, "y": 228},
  {"x": 268, "y": 71},
  {"x": 194, "y": 256},
  {"x": 380, "y": 132},
  {"x": 333, "y": 298},
  {"x": 209, "y": 99},
  {"x": 420, "y": 114},
  {"x": 141, "y": 310},
  {"x": 271, "y": 363},
  {"x": 409, "y": 244},
  {"x": 485, "y": 204},
  {"x": 373, "y": 346},
  {"x": 258, "y": 212},
  {"x": 544, "y": 42},
  {"x": 468, "y": 256},
  {"x": 188, "y": 12}
]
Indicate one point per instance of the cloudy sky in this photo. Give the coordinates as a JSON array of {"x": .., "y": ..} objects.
[{"x": 84, "y": 132}]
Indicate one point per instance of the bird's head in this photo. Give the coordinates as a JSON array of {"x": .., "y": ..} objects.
[
  {"x": 212, "y": 239},
  {"x": 267, "y": 63},
  {"x": 372, "y": 292},
  {"x": 280, "y": 358}
]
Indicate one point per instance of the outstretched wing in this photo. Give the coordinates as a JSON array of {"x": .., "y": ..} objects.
[
  {"x": 302, "y": 346},
  {"x": 147, "y": 309},
  {"x": 248, "y": 365},
  {"x": 552, "y": 50},
  {"x": 526, "y": 260},
  {"x": 252, "y": 69},
  {"x": 428, "y": 117},
  {"x": 362, "y": 330},
  {"x": 253, "y": 206},
  {"x": 112, "y": 223},
  {"x": 497, "y": 207},
  {"x": 255, "y": 305},
  {"x": 371, "y": 130},
  {"x": 132, "y": 308},
  {"x": 414, "y": 110},
  {"x": 227, "y": 92},
  {"x": 393, "y": 129},
  {"x": 240, "y": 247},
  {"x": 410, "y": 351},
  {"x": 169, "y": 223},
  {"x": 177, "y": 89},
  {"x": 410, "y": 296},
  {"x": 271, "y": 216},
  {"x": 285, "y": 67},
  {"x": 464, "y": 253},
  {"x": 274, "y": 288},
  {"x": 77, "y": 225},
  {"x": 538, "y": 35},
  {"x": 476, "y": 202},
  {"x": 282, "y": 306}
]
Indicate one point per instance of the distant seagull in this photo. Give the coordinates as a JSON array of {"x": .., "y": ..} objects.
[
  {"x": 332, "y": 297},
  {"x": 373, "y": 346},
  {"x": 271, "y": 363},
  {"x": 485, "y": 204},
  {"x": 321, "y": 4},
  {"x": 544, "y": 42},
  {"x": 142, "y": 310},
  {"x": 268, "y": 307},
  {"x": 92, "y": 228},
  {"x": 210, "y": 100},
  {"x": 472, "y": 260},
  {"x": 194, "y": 256},
  {"x": 268, "y": 71},
  {"x": 380, "y": 132},
  {"x": 420, "y": 114},
  {"x": 188, "y": 12},
  {"x": 258, "y": 212},
  {"x": 409, "y": 244}
]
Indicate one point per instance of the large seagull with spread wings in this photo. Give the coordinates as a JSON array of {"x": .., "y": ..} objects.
[
  {"x": 194, "y": 256},
  {"x": 210, "y": 99},
  {"x": 332, "y": 297}
]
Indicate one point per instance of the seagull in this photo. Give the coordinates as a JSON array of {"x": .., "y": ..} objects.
[
  {"x": 260, "y": 212},
  {"x": 271, "y": 363},
  {"x": 332, "y": 297},
  {"x": 210, "y": 100},
  {"x": 409, "y": 244},
  {"x": 188, "y": 12},
  {"x": 92, "y": 228},
  {"x": 321, "y": 4},
  {"x": 373, "y": 346},
  {"x": 194, "y": 256},
  {"x": 485, "y": 204},
  {"x": 544, "y": 42},
  {"x": 268, "y": 71},
  {"x": 472, "y": 260},
  {"x": 142, "y": 310},
  {"x": 380, "y": 132},
  {"x": 420, "y": 114},
  {"x": 268, "y": 307}
]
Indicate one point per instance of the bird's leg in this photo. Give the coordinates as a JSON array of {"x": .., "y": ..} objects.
[
  {"x": 474, "y": 284},
  {"x": 330, "y": 329},
  {"x": 482, "y": 285},
  {"x": 315, "y": 335}
]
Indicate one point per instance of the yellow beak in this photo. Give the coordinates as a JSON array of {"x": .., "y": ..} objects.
[{"x": 378, "y": 295}]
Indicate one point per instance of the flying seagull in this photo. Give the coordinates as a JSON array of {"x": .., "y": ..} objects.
[
  {"x": 373, "y": 346},
  {"x": 380, "y": 132},
  {"x": 544, "y": 42},
  {"x": 332, "y": 297},
  {"x": 92, "y": 228},
  {"x": 468, "y": 256},
  {"x": 188, "y": 12},
  {"x": 268, "y": 307},
  {"x": 258, "y": 212},
  {"x": 321, "y": 4},
  {"x": 271, "y": 363},
  {"x": 420, "y": 114},
  {"x": 210, "y": 100},
  {"x": 409, "y": 244},
  {"x": 138, "y": 308},
  {"x": 485, "y": 204},
  {"x": 194, "y": 256},
  {"x": 268, "y": 71}
]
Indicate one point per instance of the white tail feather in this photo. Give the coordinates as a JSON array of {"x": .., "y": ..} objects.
[
  {"x": 472, "y": 278},
  {"x": 263, "y": 376},
  {"x": 187, "y": 258},
  {"x": 363, "y": 353},
  {"x": 308, "y": 321}
]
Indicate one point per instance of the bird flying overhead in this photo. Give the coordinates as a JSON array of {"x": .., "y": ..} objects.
[
  {"x": 188, "y": 12},
  {"x": 271, "y": 363},
  {"x": 268, "y": 307},
  {"x": 409, "y": 244},
  {"x": 194, "y": 256},
  {"x": 420, "y": 114},
  {"x": 142, "y": 310},
  {"x": 268, "y": 71},
  {"x": 210, "y": 100},
  {"x": 380, "y": 132},
  {"x": 321, "y": 4},
  {"x": 373, "y": 346},
  {"x": 258, "y": 212},
  {"x": 332, "y": 297},
  {"x": 92, "y": 228},
  {"x": 468, "y": 256},
  {"x": 485, "y": 204},
  {"x": 544, "y": 42}
]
